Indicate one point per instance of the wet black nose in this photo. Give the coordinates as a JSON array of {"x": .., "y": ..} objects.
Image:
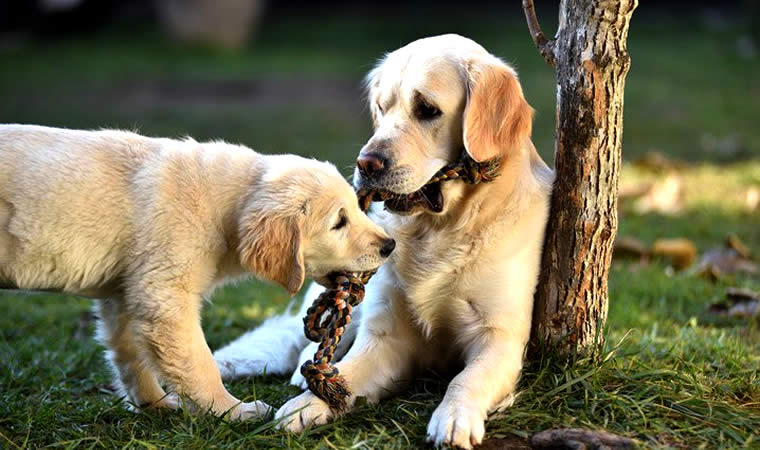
[
  {"x": 387, "y": 248},
  {"x": 371, "y": 164}
]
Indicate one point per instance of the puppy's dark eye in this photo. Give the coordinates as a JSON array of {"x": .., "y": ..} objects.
[
  {"x": 342, "y": 222},
  {"x": 425, "y": 111},
  {"x": 380, "y": 108}
]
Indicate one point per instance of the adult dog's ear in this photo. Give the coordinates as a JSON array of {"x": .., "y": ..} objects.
[
  {"x": 371, "y": 84},
  {"x": 497, "y": 119},
  {"x": 270, "y": 247}
]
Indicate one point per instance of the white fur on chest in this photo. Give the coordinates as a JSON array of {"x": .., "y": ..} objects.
[
  {"x": 461, "y": 283},
  {"x": 434, "y": 272}
]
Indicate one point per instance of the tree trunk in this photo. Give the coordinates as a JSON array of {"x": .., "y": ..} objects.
[{"x": 591, "y": 60}]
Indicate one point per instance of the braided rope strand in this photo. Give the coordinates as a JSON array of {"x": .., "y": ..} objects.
[
  {"x": 330, "y": 313},
  {"x": 325, "y": 322}
]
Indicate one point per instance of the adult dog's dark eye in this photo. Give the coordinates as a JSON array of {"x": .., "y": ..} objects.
[
  {"x": 380, "y": 108},
  {"x": 425, "y": 111},
  {"x": 342, "y": 222}
]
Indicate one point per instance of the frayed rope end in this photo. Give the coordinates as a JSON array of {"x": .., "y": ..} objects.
[{"x": 333, "y": 390}]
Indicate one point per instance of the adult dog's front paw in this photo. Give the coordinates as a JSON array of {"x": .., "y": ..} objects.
[
  {"x": 302, "y": 412},
  {"x": 457, "y": 424}
]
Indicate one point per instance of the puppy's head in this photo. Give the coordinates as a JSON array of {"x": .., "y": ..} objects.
[
  {"x": 303, "y": 220},
  {"x": 430, "y": 100}
]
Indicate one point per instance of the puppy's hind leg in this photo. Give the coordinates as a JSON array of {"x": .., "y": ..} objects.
[{"x": 133, "y": 378}]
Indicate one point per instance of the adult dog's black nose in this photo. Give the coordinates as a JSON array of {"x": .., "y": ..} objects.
[
  {"x": 371, "y": 164},
  {"x": 387, "y": 248}
]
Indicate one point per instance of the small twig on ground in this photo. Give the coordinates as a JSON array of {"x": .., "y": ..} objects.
[{"x": 544, "y": 46}]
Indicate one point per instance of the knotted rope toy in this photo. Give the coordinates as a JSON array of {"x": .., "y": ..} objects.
[{"x": 330, "y": 313}]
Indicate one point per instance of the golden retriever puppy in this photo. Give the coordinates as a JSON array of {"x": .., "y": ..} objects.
[
  {"x": 150, "y": 227},
  {"x": 459, "y": 288}
]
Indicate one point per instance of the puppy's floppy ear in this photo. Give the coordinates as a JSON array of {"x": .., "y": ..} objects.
[
  {"x": 497, "y": 119},
  {"x": 270, "y": 247}
]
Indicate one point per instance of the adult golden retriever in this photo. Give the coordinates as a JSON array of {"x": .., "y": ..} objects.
[
  {"x": 459, "y": 288},
  {"x": 151, "y": 226}
]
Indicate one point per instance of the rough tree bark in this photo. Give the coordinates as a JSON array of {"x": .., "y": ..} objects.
[{"x": 591, "y": 61}]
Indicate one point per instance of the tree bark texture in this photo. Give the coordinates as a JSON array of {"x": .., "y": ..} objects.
[{"x": 590, "y": 56}]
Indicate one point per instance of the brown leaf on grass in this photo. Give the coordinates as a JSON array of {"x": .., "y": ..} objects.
[
  {"x": 577, "y": 438},
  {"x": 733, "y": 258},
  {"x": 739, "y": 303},
  {"x": 664, "y": 197},
  {"x": 629, "y": 247},
  {"x": 680, "y": 252},
  {"x": 733, "y": 242}
]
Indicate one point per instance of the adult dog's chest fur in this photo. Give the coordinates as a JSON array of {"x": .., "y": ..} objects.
[{"x": 434, "y": 269}]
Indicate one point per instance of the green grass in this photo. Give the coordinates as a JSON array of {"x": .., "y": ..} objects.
[{"x": 670, "y": 375}]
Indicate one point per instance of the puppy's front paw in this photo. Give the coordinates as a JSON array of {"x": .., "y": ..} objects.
[
  {"x": 457, "y": 424},
  {"x": 251, "y": 411},
  {"x": 302, "y": 412},
  {"x": 169, "y": 401}
]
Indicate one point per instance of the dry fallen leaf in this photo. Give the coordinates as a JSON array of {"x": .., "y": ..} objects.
[
  {"x": 739, "y": 303},
  {"x": 629, "y": 247},
  {"x": 733, "y": 242},
  {"x": 664, "y": 197},
  {"x": 718, "y": 262},
  {"x": 681, "y": 252}
]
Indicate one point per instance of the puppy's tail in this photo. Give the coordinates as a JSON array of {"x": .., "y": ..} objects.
[{"x": 272, "y": 348}]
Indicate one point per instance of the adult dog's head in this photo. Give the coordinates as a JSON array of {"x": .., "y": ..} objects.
[
  {"x": 302, "y": 219},
  {"x": 431, "y": 100}
]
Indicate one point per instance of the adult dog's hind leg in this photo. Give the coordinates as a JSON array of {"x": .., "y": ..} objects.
[{"x": 133, "y": 378}]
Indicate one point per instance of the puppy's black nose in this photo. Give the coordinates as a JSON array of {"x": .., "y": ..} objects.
[
  {"x": 387, "y": 248},
  {"x": 371, "y": 164}
]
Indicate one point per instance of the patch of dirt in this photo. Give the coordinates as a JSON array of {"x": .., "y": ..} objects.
[{"x": 506, "y": 443}]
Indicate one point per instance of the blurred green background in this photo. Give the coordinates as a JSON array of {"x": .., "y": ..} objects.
[{"x": 292, "y": 84}]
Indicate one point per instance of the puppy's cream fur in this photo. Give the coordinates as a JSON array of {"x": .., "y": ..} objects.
[{"x": 151, "y": 226}]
